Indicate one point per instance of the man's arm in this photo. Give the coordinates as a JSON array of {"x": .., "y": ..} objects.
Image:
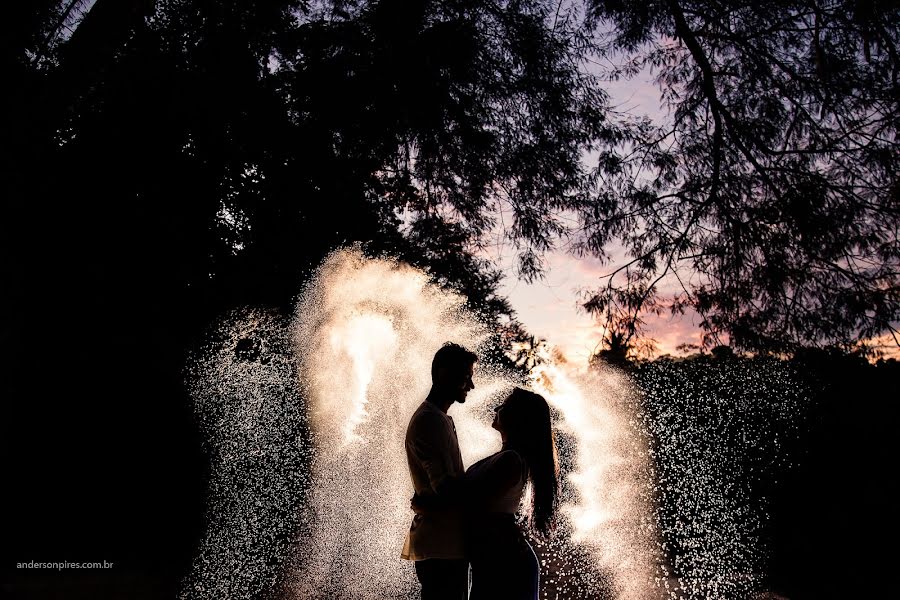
[
  {"x": 491, "y": 482},
  {"x": 433, "y": 446}
]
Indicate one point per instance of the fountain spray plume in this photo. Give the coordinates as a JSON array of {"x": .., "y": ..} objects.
[
  {"x": 255, "y": 435},
  {"x": 365, "y": 333},
  {"x": 607, "y": 494},
  {"x": 314, "y": 445}
]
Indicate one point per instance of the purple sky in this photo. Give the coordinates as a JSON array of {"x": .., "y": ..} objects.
[{"x": 549, "y": 308}]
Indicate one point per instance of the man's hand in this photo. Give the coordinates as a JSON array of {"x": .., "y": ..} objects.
[{"x": 423, "y": 505}]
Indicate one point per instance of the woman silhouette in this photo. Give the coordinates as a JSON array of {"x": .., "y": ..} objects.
[{"x": 503, "y": 563}]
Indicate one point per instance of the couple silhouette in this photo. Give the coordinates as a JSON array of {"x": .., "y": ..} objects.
[{"x": 464, "y": 516}]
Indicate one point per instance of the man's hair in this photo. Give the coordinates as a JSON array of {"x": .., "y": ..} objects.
[{"x": 452, "y": 357}]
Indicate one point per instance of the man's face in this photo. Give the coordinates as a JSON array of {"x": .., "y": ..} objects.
[{"x": 462, "y": 383}]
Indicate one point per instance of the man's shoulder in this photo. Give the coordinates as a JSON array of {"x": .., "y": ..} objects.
[
  {"x": 428, "y": 411},
  {"x": 427, "y": 416}
]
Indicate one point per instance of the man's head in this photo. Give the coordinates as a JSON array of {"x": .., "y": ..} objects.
[{"x": 452, "y": 369}]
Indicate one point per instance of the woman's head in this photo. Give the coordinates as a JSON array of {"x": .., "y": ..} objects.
[
  {"x": 524, "y": 421},
  {"x": 521, "y": 415}
]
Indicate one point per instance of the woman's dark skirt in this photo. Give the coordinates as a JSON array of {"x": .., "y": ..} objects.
[{"x": 504, "y": 566}]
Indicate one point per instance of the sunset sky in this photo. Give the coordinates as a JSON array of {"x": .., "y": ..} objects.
[{"x": 549, "y": 307}]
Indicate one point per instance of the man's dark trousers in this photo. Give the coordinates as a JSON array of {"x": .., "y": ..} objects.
[{"x": 443, "y": 579}]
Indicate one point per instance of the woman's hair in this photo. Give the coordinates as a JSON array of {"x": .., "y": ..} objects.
[{"x": 526, "y": 421}]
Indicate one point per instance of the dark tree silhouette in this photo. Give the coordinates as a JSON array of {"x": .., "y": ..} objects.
[
  {"x": 615, "y": 349},
  {"x": 167, "y": 161},
  {"x": 240, "y": 142},
  {"x": 771, "y": 195}
]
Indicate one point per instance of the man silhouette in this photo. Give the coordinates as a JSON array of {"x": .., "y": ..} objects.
[{"x": 435, "y": 539}]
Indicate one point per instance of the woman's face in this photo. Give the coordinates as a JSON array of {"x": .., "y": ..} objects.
[{"x": 498, "y": 416}]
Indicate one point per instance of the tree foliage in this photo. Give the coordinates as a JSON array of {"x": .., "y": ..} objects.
[
  {"x": 214, "y": 152},
  {"x": 237, "y": 143},
  {"x": 770, "y": 199}
]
